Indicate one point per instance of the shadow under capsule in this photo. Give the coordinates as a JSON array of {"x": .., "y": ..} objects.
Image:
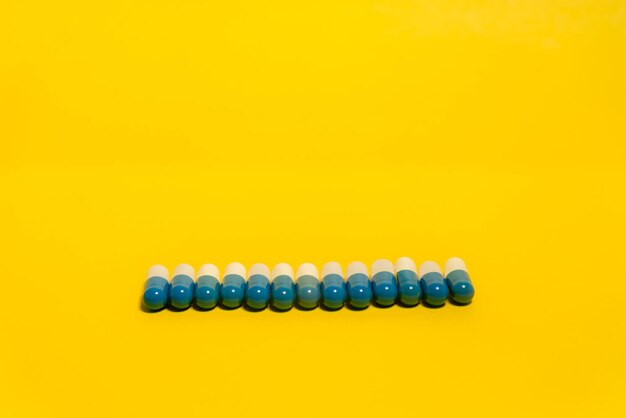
[
  {"x": 249, "y": 308},
  {"x": 455, "y": 303},
  {"x": 195, "y": 306},
  {"x": 429, "y": 306}
]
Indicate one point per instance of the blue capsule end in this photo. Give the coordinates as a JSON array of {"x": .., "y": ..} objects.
[
  {"x": 435, "y": 292},
  {"x": 460, "y": 285},
  {"x": 257, "y": 296},
  {"x": 333, "y": 290},
  {"x": 232, "y": 296},
  {"x": 385, "y": 294},
  {"x": 155, "y": 297},
  {"x": 333, "y": 297},
  {"x": 307, "y": 292},
  {"x": 410, "y": 293},
  {"x": 181, "y": 292},
  {"x": 207, "y": 293},
  {"x": 461, "y": 292},
  {"x": 282, "y": 293}
]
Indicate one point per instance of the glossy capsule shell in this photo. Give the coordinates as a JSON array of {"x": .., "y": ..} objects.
[
  {"x": 258, "y": 287},
  {"x": 182, "y": 287},
  {"x": 333, "y": 286},
  {"x": 409, "y": 289},
  {"x": 207, "y": 293},
  {"x": 458, "y": 281},
  {"x": 156, "y": 289},
  {"x": 307, "y": 286},
  {"x": 434, "y": 287},
  {"x": 384, "y": 286},
  {"x": 233, "y": 286},
  {"x": 358, "y": 286},
  {"x": 283, "y": 292}
]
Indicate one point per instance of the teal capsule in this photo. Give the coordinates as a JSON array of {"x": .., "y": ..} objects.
[
  {"x": 182, "y": 287},
  {"x": 434, "y": 287},
  {"x": 333, "y": 287},
  {"x": 458, "y": 281},
  {"x": 258, "y": 287},
  {"x": 233, "y": 287},
  {"x": 207, "y": 293},
  {"x": 156, "y": 289},
  {"x": 307, "y": 286},
  {"x": 384, "y": 286},
  {"x": 282, "y": 289},
  {"x": 409, "y": 289},
  {"x": 358, "y": 286}
]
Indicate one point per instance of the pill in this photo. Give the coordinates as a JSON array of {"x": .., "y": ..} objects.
[
  {"x": 358, "y": 286},
  {"x": 282, "y": 288},
  {"x": 207, "y": 292},
  {"x": 409, "y": 289},
  {"x": 384, "y": 286},
  {"x": 333, "y": 287},
  {"x": 156, "y": 288},
  {"x": 233, "y": 285},
  {"x": 182, "y": 286},
  {"x": 458, "y": 280},
  {"x": 258, "y": 287},
  {"x": 434, "y": 288},
  {"x": 307, "y": 286}
]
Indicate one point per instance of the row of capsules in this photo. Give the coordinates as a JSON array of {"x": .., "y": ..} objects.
[{"x": 257, "y": 289}]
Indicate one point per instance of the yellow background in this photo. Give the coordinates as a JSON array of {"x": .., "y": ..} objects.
[{"x": 142, "y": 132}]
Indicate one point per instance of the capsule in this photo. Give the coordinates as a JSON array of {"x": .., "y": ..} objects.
[
  {"x": 182, "y": 287},
  {"x": 156, "y": 289},
  {"x": 307, "y": 286},
  {"x": 333, "y": 287},
  {"x": 282, "y": 289},
  {"x": 207, "y": 293},
  {"x": 458, "y": 280},
  {"x": 233, "y": 286},
  {"x": 358, "y": 286},
  {"x": 409, "y": 289},
  {"x": 258, "y": 287},
  {"x": 384, "y": 286},
  {"x": 434, "y": 287}
]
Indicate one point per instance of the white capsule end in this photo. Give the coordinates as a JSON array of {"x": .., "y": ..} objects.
[
  {"x": 158, "y": 271},
  {"x": 307, "y": 269},
  {"x": 259, "y": 268},
  {"x": 209, "y": 270},
  {"x": 455, "y": 263},
  {"x": 405, "y": 263},
  {"x": 185, "y": 269},
  {"x": 282, "y": 269},
  {"x": 429, "y": 267},
  {"x": 332, "y": 267},
  {"x": 382, "y": 265},
  {"x": 356, "y": 267},
  {"x": 235, "y": 268}
]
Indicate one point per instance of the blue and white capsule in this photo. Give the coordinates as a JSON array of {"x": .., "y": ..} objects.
[
  {"x": 409, "y": 289},
  {"x": 384, "y": 286},
  {"x": 283, "y": 290},
  {"x": 182, "y": 287},
  {"x": 333, "y": 286},
  {"x": 358, "y": 286},
  {"x": 434, "y": 287},
  {"x": 307, "y": 286},
  {"x": 207, "y": 294},
  {"x": 458, "y": 281},
  {"x": 156, "y": 289},
  {"x": 258, "y": 287},
  {"x": 233, "y": 287}
]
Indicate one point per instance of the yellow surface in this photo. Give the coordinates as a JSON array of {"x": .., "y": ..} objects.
[{"x": 134, "y": 133}]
